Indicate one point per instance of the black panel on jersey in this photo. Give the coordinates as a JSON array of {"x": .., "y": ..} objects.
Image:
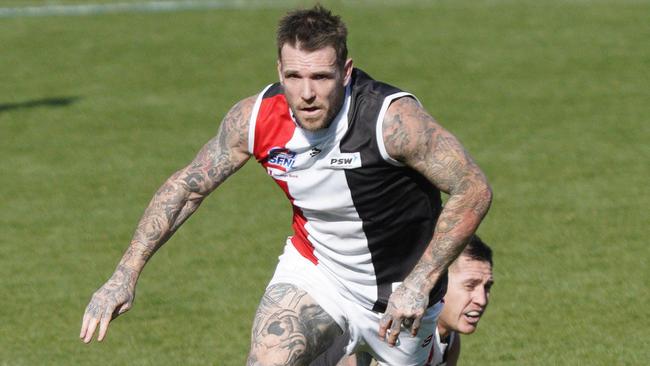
[
  {"x": 274, "y": 90},
  {"x": 398, "y": 206}
]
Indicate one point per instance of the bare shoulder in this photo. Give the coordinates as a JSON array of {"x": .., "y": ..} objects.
[
  {"x": 223, "y": 154},
  {"x": 406, "y": 127},
  {"x": 415, "y": 138},
  {"x": 233, "y": 131},
  {"x": 234, "y": 126}
]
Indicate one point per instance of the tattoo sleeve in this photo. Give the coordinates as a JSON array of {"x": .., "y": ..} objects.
[
  {"x": 179, "y": 197},
  {"x": 173, "y": 203},
  {"x": 412, "y": 136}
]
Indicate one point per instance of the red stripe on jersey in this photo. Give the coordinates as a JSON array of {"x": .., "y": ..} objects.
[
  {"x": 299, "y": 240},
  {"x": 274, "y": 127}
]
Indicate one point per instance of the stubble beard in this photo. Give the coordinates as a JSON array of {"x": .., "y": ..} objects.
[
  {"x": 325, "y": 122},
  {"x": 315, "y": 125}
]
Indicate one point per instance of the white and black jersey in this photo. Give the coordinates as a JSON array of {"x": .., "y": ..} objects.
[
  {"x": 358, "y": 214},
  {"x": 438, "y": 355}
]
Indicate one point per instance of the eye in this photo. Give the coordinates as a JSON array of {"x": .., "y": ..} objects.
[
  {"x": 291, "y": 75},
  {"x": 321, "y": 76}
]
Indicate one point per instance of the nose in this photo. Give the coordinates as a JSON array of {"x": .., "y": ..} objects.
[
  {"x": 307, "y": 92},
  {"x": 480, "y": 296}
]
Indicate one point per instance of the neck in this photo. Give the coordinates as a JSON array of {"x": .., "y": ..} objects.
[{"x": 443, "y": 331}]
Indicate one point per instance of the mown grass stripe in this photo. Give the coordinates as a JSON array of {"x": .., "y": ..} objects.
[{"x": 124, "y": 7}]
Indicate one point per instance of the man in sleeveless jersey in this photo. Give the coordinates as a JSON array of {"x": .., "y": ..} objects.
[
  {"x": 363, "y": 165},
  {"x": 467, "y": 298}
]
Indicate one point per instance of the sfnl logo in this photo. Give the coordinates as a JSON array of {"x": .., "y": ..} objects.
[{"x": 282, "y": 157}]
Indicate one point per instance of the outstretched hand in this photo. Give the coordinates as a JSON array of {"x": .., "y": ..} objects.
[
  {"x": 114, "y": 298},
  {"x": 405, "y": 307}
]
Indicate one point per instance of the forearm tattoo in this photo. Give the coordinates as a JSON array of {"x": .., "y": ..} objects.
[
  {"x": 412, "y": 136},
  {"x": 289, "y": 328},
  {"x": 179, "y": 197}
]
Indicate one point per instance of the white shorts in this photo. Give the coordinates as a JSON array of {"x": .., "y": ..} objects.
[{"x": 361, "y": 323}]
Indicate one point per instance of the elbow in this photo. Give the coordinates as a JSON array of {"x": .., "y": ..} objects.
[
  {"x": 476, "y": 198},
  {"x": 483, "y": 199},
  {"x": 187, "y": 184}
]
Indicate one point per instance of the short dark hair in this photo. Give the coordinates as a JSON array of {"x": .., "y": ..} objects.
[
  {"x": 476, "y": 249},
  {"x": 313, "y": 29}
]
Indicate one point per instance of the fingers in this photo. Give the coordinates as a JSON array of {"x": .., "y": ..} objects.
[
  {"x": 393, "y": 332},
  {"x": 112, "y": 299},
  {"x": 123, "y": 309},
  {"x": 88, "y": 324},
  {"x": 384, "y": 324},
  {"x": 416, "y": 326},
  {"x": 90, "y": 329},
  {"x": 103, "y": 326},
  {"x": 389, "y": 328},
  {"x": 99, "y": 316},
  {"x": 84, "y": 326}
]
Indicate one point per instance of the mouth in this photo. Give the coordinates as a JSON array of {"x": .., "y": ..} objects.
[
  {"x": 310, "y": 110},
  {"x": 473, "y": 316}
]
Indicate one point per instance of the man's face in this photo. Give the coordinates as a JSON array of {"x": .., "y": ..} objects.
[
  {"x": 314, "y": 84},
  {"x": 468, "y": 293}
]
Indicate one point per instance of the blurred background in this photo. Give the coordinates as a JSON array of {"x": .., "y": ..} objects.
[{"x": 101, "y": 101}]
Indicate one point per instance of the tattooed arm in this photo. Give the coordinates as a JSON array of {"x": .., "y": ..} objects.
[
  {"x": 174, "y": 202},
  {"x": 413, "y": 137}
]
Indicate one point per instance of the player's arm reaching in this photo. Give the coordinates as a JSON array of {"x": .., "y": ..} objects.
[
  {"x": 412, "y": 136},
  {"x": 174, "y": 202}
]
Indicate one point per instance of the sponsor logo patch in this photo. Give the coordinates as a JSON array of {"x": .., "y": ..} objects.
[
  {"x": 345, "y": 161},
  {"x": 281, "y": 157}
]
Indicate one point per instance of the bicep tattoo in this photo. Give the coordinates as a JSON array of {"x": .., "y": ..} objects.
[
  {"x": 177, "y": 199},
  {"x": 412, "y": 136},
  {"x": 222, "y": 155}
]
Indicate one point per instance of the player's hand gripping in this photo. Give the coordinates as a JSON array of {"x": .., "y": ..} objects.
[
  {"x": 112, "y": 299},
  {"x": 405, "y": 306}
]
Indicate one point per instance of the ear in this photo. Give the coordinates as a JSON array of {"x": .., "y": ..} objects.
[
  {"x": 280, "y": 72},
  {"x": 347, "y": 72}
]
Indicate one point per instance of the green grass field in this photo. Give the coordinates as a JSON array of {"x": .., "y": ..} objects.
[{"x": 552, "y": 99}]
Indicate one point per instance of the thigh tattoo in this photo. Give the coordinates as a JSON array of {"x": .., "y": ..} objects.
[{"x": 290, "y": 328}]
